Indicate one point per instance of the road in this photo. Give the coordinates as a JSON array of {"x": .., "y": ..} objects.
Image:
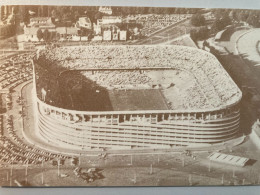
[
  {"x": 169, "y": 33},
  {"x": 247, "y": 46}
]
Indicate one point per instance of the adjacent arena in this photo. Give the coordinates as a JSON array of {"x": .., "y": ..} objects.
[{"x": 126, "y": 97}]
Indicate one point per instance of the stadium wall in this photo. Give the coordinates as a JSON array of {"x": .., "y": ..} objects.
[{"x": 136, "y": 129}]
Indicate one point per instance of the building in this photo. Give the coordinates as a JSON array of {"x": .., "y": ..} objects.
[
  {"x": 109, "y": 20},
  {"x": 30, "y": 34},
  {"x": 208, "y": 111},
  {"x": 84, "y": 22},
  {"x": 105, "y": 10},
  {"x": 64, "y": 33},
  {"x": 41, "y": 22},
  {"x": 68, "y": 33}
]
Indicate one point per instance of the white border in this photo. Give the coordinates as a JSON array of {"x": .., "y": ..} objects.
[{"x": 236, "y": 4}]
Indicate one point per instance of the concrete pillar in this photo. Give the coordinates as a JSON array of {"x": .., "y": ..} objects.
[
  {"x": 82, "y": 117},
  {"x": 169, "y": 117}
]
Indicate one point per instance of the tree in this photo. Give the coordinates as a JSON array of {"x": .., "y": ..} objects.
[
  {"x": 254, "y": 19},
  {"x": 199, "y": 34},
  {"x": 220, "y": 23},
  {"x": 198, "y": 20},
  {"x": 25, "y": 15},
  {"x": 52, "y": 36},
  {"x": 203, "y": 33},
  {"x": 57, "y": 36},
  {"x": 46, "y": 35},
  {"x": 193, "y": 35},
  {"x": 39, "y": 34}
]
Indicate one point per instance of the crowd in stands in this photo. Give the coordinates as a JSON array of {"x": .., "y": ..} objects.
[
  {"x": 119, "y": 78},
  {"x": 214, "y": 84},
  {"x": 154, "y": 22}
]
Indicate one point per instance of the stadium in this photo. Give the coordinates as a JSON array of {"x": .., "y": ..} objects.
[{"x": 131, "y": 97}]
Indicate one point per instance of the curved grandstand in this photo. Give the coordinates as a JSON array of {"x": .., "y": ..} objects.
[{"x": 134, "y": 97}]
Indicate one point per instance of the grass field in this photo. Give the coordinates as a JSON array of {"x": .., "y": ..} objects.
[{"x": 149, "y": 99}]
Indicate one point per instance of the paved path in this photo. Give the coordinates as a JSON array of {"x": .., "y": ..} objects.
[
  {"x": 247, "y": 46},
  {"x": 166, "y": 34}
]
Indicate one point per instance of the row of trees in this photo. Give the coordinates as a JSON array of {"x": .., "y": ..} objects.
[
  {"x": 71, "y": 13},
  {"x": 47, "y": 36},
  {"x": 252, "y": 17},
  {"x": 223, "y": 18},
  {"x": 153, "y": 10}
]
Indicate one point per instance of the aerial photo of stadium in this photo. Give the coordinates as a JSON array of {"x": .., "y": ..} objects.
[
  {"x": 129, "y": 96},
  {"x": 134, "y": 97}
]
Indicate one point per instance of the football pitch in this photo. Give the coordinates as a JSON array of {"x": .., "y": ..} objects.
[{"x": 145, "y": 99}]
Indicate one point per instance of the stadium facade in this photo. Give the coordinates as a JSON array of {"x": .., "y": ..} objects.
[{"x": 127, "y": 129}]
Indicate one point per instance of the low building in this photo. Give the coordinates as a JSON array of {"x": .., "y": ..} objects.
[
  {"x": 109, "y": 20},
  {"x": 107, "y": 35},
  {"x": 65, "y": 33},
  {"x": 30, "y": 34},
  {"x": 97, "y": 29},
  {"x": 105, "y": 10},
  {"x": 68, "y": 33},
  {"x": 84, "y": 22},
  {"x": 41, "y": 22},
  {"x": 122, "y": 35}
]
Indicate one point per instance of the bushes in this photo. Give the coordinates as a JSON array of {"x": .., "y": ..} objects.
[
  {"x": 221, "y": 23},
  {"x": 199, "y": 34},
  {"x": 198, "y": 20}
]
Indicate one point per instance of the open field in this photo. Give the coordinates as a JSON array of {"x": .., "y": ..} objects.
[{"x": 154, "y": 169}]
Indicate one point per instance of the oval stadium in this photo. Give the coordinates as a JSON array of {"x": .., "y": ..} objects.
[{"x": 133, "y": 97}]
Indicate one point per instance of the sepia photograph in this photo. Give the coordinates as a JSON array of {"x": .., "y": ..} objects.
[{"x": 129, "y": 96}]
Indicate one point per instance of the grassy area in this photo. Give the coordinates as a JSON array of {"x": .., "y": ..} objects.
[
  {"x": 170, "y": 169},
  {"x": 149, "y": 99}
]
